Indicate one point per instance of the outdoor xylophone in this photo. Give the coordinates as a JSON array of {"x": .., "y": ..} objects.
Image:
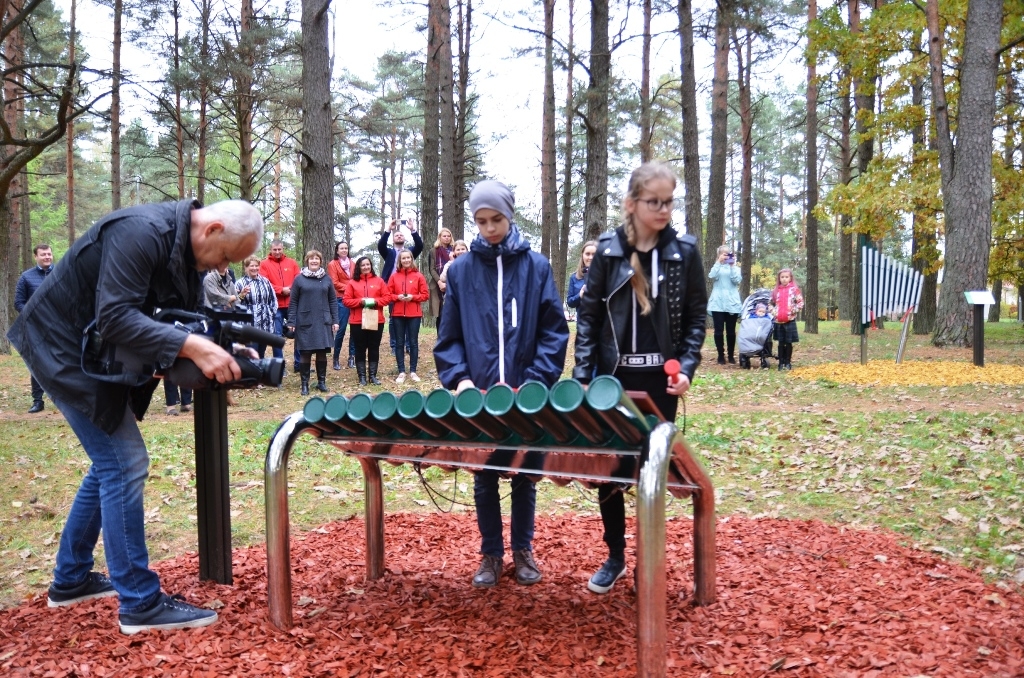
[{"x": 592, "y": 435}]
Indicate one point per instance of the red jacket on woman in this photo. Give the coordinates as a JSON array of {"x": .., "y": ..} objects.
[
  {"x": 357, "y": 290},
  {"x": 408, "y": 281},
  {"x": 338, "y": 276}
]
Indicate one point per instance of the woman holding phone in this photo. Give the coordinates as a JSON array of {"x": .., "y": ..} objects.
[
  {"x": 409, "y": 290},
  {"x": 724, "y": 304}
]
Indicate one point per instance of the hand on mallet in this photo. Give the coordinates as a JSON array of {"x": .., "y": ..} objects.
[{"x": 678, "y": 383}]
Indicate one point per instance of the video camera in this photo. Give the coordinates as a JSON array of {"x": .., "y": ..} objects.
[{"x": 227, "y": 328}]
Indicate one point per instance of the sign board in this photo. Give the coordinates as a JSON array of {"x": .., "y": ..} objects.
[{"x": 979, "y": 297}]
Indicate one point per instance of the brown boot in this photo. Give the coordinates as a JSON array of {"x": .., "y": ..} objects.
[
  {"x": 489, "y": 572},
  {"x": 527, "y": 572}
]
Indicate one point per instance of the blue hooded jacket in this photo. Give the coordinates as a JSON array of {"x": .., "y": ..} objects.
[{"x": 503, "y": 318}]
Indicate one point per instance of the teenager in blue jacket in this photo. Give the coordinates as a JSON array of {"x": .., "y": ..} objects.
[
  {"x": 503, "y": 323},
  {"x": 578, "y": 280}
]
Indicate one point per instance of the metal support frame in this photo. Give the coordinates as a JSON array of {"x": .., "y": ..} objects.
[
  {"x": 213, "y": 495},
  {"x": 664, "y": 445}
]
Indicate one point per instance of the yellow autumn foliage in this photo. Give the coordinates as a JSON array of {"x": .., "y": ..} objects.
[{"x": 913, "y": 373}]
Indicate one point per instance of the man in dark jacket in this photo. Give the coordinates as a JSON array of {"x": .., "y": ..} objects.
[
  {"x": 28, "y": 283},
  {"x": 503, "y": 324},
  {"x": 389, "y": 255},
  {"x": 113, "y": 278}
]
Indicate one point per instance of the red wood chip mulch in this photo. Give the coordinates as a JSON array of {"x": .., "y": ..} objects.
[{"x": 794, "y": 599}]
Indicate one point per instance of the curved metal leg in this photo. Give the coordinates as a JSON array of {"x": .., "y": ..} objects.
[
  {"x": 650, "y": 559},
  {"x": 373, "y": 495},
  {"x": 275, "y": 477},
  {"x": 704, "y": 569}
]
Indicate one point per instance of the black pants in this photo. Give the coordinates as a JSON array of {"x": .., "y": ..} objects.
[
  {"x": 613, "y": 505},
  {"x": 726, "y": 321},
  {"x": 367, "y": 343},
  {"x": 171, "y": 394},
  {"x": 37, "y": 390}
]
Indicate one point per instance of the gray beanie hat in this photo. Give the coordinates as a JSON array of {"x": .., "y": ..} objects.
[{"x": 492, "y": 195}]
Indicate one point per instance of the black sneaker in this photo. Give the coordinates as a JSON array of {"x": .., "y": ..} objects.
[
  {"x": 96, "y": 585},
  {"x": 169, "y": 613},
  {"x": 605, "y": 578}
]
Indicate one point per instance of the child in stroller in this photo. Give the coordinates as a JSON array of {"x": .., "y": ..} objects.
[{"x": 755, "y": 335}]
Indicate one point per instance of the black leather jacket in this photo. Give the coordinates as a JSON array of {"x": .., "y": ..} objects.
[{"x": 680, "y": 311}]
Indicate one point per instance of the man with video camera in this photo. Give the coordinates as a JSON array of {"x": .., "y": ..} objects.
[{"x": 129, "y": 264}]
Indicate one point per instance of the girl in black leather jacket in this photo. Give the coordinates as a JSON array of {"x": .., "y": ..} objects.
[{"x": 646, "y": 302}]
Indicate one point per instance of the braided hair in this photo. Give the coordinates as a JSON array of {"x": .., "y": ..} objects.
[{"x": 642, "y": 175}]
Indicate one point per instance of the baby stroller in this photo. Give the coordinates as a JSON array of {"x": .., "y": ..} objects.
[{"x": 755, "y": 335}]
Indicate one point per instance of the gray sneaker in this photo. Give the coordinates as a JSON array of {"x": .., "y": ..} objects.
[
  {"x": 96, "y": 585},
  {"x": 169, "y": 613}
]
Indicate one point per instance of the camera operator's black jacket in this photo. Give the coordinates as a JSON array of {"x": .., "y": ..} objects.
[
  {"x": 129, "y": 263},
  {"x": 680, "y": 311}
]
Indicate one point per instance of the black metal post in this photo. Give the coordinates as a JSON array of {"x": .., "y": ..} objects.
[
  {"x": 979, "y": 335},
  {"x": 212, "y": 485}
]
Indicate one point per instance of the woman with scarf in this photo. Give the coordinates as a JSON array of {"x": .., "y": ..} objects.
[
  {"x": 257, "y": 293},
  {"x": 340, "y": 270},
  {"x": 313, "y": 312},
  {"x": 440, "y": 255}
]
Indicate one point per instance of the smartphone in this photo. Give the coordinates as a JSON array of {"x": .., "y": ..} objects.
[
  {"x": 403, "y": 222},
  {"x": 730, "y": 258}
]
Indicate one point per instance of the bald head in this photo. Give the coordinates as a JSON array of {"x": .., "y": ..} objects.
[{"x": 224, "y": 232}]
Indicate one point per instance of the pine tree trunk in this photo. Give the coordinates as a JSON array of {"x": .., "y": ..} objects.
[
  {"x": 811, "y": 169},
  {"x": 70, "y": 162},
  {"x": 179, "y": 128},
  {"x": 715, "y": 235},
  {"x": 115, "y": 113},
  {"x": 743, "y": 59},
  {"x": 561, "y": 263},
  {"x": 691, "y": 138},
  {"x": 465, "y": 26},
  {"x": 204, "y": 100},
  {"x": 450, "y": 217},
  {"x": 923, "y": 250},
  {"x": 967, "y": 167},
  {"x": 595, "y": 210},
  {"x": 645, "y": 87},
  {"x": 848, "y": 298},
  {"x": 549, "y": 186},
  {"x": 317, "y": 158},
  {"x": 429, "y": 185},
  {"x": 244, "y": 102}
]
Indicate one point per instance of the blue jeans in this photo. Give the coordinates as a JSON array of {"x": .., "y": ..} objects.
[
  {"x": 407, "y": 333},
  {"x": 110, "y": 497},
  {"x": 488, "y": 512},
  {"x": 391, "y": 331},
  {"x": 343, "y": 316},
  {"x": 279, "y": 331}
]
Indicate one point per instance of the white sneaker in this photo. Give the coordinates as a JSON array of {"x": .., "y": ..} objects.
[
  {"x": 412, "y": 375},
  {"x": 401, "y": 378}
]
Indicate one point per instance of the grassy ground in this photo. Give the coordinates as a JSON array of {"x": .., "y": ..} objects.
[{"x": 940, "y": 465}]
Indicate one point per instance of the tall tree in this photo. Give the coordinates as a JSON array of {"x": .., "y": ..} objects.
[
  {"x": 560, "y": 263},
  {"x": 71, "y": 132},
  {"x": 429, "y": 180},
  {"x": 688, "y": 113},
  {"x": 47, "y": 88},
  {"x": 811, "y": 286},
  {"x": 966, "y": 165},
  {"x": 450, "y": 213},
  {"x": 715, "y": 234},
  {"x": 595, "y": 215},
  {"x": 317, "y": 155},
  {"x": 549, "y": 186},
  {"x": 645, "y": 86},
  {"x": 115, "y": 111}
]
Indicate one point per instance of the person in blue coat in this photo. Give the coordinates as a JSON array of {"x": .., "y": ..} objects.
[
  {"x": 724, "y": 304},
  {"x": 503, "y": 324},
  {"x": 578, "y": 280}
]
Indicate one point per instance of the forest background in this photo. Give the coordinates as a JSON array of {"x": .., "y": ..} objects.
[{"x": 798, "y": 132}]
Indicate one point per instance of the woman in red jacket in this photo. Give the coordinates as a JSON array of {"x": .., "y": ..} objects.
[
  {"x": 408, "y": 290},
  {"x": 366, "y": 295}
]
